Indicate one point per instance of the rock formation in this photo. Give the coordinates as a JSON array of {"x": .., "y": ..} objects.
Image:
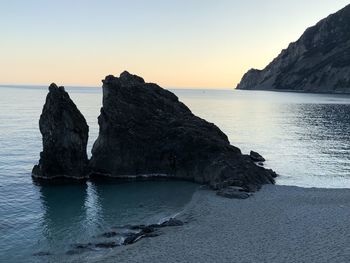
[
  {"x": 318, "y": 62},
  {"x": 146, "y": 130},
  {"x": 256, "y": 157},
  {"x": 65, "y": 136}
]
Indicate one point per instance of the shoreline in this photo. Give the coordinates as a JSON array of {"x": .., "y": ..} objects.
[
  {"x": 277, "y": 224},
  {"x": 297, "y": 91}
]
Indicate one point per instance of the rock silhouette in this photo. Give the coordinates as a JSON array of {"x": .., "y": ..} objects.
[
  {"x": 146, "y": 130},
  {"x": 65, "y": 136}
]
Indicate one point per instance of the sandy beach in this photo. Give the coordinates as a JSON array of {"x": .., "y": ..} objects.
[{"x": 277, "y": 224}]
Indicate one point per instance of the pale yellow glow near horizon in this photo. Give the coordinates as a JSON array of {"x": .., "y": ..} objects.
[
  {"x": 220, "y": 70},
  {"x": 203, "y": 45}
]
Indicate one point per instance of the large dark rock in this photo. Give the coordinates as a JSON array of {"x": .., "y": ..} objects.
[
  {"x": 318, "y": 62},
  {"x": 145, "y": 129},
  {"x": 65, "y": 136}
]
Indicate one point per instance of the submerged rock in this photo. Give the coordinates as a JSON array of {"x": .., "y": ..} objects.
[
  {"x": 65, "y": 136},
  {"x": 233, "y": 193},
  {"x": 146, "y": 231},
  {"x": 172, "y": 222},
  {"x": 109, "y": 234},
  {"x": 107, "y": 244},
  {"x": 146, "y": 130},
  {"x": 129, "y": 235},
  {"x": 133, "y": 238},
  {"x": 42, "y": 253},
  {"x": 256, "y": 157}
]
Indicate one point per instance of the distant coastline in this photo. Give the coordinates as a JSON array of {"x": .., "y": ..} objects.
[
  {"x": 296, "y": 91},
  {"x": 319, "y": 61}
]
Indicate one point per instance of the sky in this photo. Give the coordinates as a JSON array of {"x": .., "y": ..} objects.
[{"x": 177, "y": 43}]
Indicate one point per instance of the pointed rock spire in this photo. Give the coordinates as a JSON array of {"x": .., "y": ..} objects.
[{"x": 64, "y": 134}]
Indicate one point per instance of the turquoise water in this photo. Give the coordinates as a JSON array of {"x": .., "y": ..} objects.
[
  {"x": 304, "y": 137},
  {"x": 52, "y": 219}
]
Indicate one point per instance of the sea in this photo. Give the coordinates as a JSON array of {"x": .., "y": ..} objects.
[{"x": 305, "y": 138}]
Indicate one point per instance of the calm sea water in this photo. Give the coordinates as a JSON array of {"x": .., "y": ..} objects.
[{"x": 304, "y": 137}]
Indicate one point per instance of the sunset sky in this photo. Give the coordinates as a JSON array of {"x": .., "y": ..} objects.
[{"x": 183, "y": 43}]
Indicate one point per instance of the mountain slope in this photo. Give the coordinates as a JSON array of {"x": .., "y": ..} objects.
[{"x": 318, "y": 62}]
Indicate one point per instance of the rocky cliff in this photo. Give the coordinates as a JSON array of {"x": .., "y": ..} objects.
[
  {"x": 65, "y": 136},
  {"x": 318, "y": 62},
  {"x": 146, "y": 130}
]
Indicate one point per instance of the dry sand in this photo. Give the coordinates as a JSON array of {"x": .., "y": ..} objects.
[{"x": 278, "y": 224}]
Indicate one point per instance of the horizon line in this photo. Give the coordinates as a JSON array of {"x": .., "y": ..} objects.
[{"x": 91, "y": 86}]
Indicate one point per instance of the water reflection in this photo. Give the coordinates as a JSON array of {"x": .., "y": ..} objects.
[
  {"x": 63, "y": 212},
  {"x": 304, "y": 137},
  {"x": 325, "y": 129},
  {"x": 324, "y": 121},
  {"x": 140, "y": 202},
  {"x": 79, "y": 213}
]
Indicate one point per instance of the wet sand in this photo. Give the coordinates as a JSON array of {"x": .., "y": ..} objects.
[{"x": 277, "y": 224}]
